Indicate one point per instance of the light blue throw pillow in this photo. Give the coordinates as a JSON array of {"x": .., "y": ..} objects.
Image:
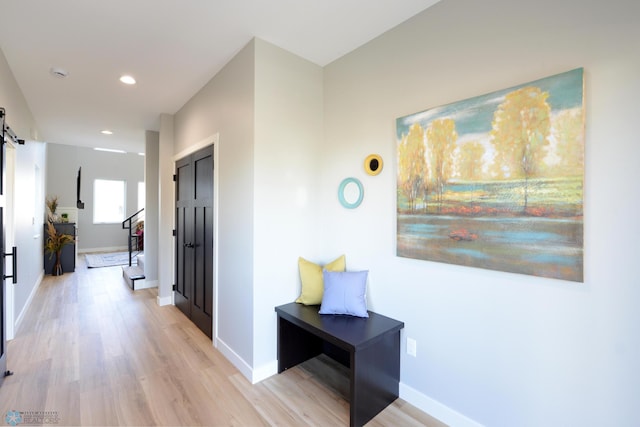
[{"x": 344, "y": 293}]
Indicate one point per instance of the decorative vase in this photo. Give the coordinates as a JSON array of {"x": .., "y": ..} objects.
[{"x": 57, "y": 266}]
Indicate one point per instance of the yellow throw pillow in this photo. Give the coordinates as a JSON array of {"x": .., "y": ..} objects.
[{"x": 311, "y": 278}]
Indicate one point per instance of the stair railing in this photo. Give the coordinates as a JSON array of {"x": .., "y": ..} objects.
[{"x": 135, "y": 240}]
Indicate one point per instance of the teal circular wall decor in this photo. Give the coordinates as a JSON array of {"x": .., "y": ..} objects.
[{"x": 353, "y": 187}]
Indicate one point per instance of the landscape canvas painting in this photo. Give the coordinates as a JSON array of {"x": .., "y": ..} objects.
[{"x": 496, "y": 181}]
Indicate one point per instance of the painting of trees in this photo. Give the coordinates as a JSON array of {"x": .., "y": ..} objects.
[
  {"x": 412, "y": 165},
  {"x": 470, "y": 160},
  {"x": 496, "y": 181},
  {"x": 520, "y": 132},
  {"x": 441, "y": 139},
  {"x": 568, "y": 135}
]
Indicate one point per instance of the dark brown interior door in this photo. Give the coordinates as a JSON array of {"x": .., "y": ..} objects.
[
  {"x": 184, "y": 283},
  {"x": 194, "y": 238}
]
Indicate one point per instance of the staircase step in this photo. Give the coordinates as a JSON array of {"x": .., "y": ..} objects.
[{"x": 131, "y": 274}]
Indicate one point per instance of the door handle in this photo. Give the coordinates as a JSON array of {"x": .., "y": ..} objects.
[
  {"x": 189, "y": 245},
  {"x": 14, "y": 255}
]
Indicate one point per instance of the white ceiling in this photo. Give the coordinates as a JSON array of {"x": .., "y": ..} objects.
[{"x": 172, "y": 48}]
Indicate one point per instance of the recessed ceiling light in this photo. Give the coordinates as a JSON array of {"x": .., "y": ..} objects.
[
  {"x": 58, "y": 72},
  {"x": 128, "y": 80},
  {"x": 106, "y": 132}
]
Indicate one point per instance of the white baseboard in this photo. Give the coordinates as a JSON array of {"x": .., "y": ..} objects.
[
  {"x": 107, "y": 249},
  {"x": 265, "y": 371},
  {"x": 28, "y": 302},
  {"x": 435, "y": 408},
  {"x": 235, "y": 359},
  {"x": 253, "y": 375},
  {"x": 145, "y": 284},
  {"x": 165, "y": 300}
]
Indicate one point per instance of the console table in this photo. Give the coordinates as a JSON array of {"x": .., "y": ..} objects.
[
  {"x": 68, "y": 254},
  {"x": 370, "y": 347}
]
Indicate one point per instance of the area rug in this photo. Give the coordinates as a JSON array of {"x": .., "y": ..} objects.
[{"x": 108, "y": 259}]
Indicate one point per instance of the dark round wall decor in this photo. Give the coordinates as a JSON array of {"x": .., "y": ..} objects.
[{"x": 373, "y": 164}]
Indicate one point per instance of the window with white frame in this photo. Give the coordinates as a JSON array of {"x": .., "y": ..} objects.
[
  {"x": 141, "y": 195},
  {"x": 108, "y": 201}
]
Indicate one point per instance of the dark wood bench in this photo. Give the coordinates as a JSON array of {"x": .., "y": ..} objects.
[{"x": 370, "y": 347}]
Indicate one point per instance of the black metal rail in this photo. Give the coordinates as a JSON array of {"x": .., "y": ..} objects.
[{"x": 134, "y": 222}]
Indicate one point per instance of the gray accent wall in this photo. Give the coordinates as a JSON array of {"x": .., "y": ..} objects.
[
  {"x": 497, "y": 348},
  {"x": 63, "y": 162},
  {"x": 266, "y": 107},
  {"x": 225, "y": 105},
  {"x": 151, "y": 214}
]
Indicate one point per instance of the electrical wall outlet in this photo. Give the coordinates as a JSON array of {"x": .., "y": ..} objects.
[{"x": 411, "y": 347}]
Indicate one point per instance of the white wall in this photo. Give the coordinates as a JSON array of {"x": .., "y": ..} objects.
[
  {"x": 289, "y": 135},
  {"x": 29, "y": 158},
  {"x": 29, "y": 239},
  {"x": 501, "y": 349},
  {"x": 63, "y": 162}
]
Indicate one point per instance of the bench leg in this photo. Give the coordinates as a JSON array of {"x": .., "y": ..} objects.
[
  {"x": 295, "y": 345},
  {"x": 375, "y": 378}
]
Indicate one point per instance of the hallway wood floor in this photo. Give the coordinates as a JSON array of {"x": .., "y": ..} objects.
[{"x": 90, "y": 351}]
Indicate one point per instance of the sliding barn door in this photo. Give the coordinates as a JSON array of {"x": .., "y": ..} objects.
[
  {"x": 6, "y": 136},
  {"x": 194, "y": 238},
  {"x": 3, "y": 296},
  {"x": 3, "y": 293}
]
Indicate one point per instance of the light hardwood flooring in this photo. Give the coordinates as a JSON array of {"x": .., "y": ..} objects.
[{"x": 90, "y": 351}]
